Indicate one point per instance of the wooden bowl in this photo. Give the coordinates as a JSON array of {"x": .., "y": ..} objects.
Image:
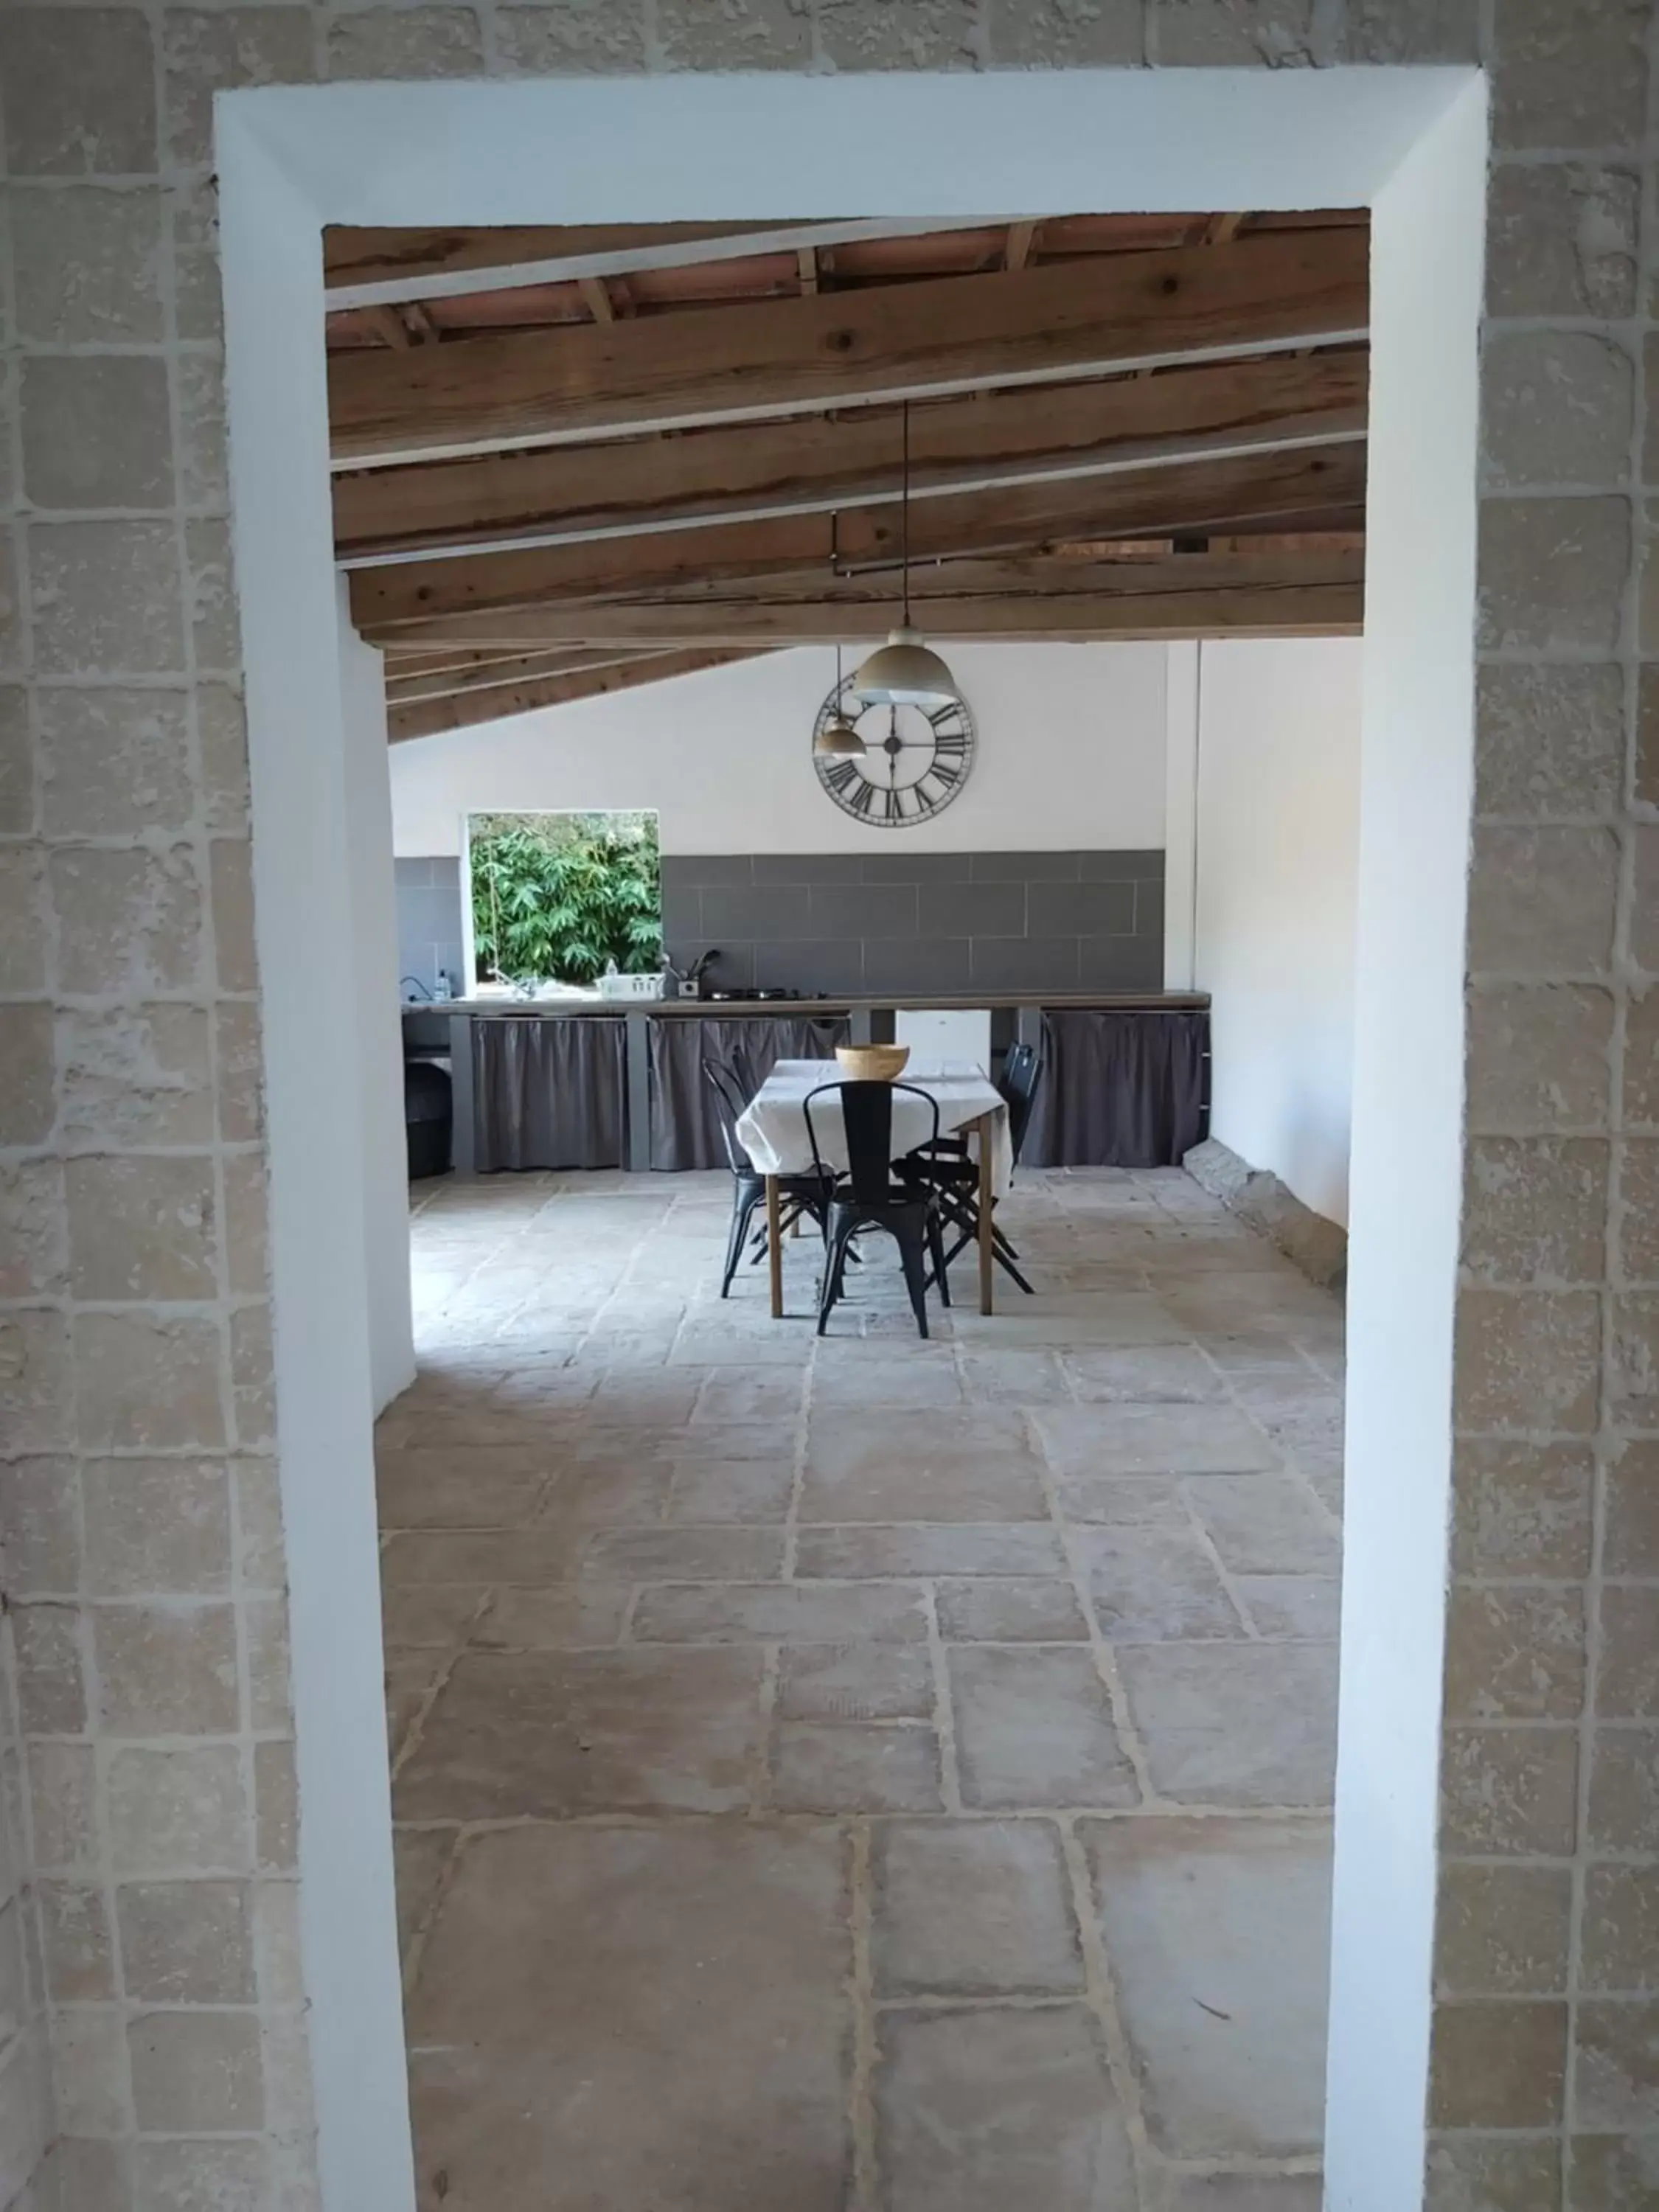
[{"x": 872, "y": 1063}]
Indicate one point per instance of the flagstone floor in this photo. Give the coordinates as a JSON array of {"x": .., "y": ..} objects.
[{"x": 859, "y": 1775}]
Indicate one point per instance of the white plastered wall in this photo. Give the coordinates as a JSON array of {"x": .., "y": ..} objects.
[
  {"x": 1277, "y": 846},
  {"x": 1070, "y": 755},
  {"x": 1417, "y": 747},
  {"x": 366, "y": 974},
  {"x": 548, "y": 150}
]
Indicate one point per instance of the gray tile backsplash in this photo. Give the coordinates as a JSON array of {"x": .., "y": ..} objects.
[
  {"x": 429, "y": 920},
  {"x": 950, "y": 922},
  {"x": 867, "y": 923}
]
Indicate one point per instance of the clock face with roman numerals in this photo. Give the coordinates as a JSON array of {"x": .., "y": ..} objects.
[{"x": 916, "y": 764}]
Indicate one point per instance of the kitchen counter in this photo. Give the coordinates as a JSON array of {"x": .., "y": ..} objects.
[
  {"x": 626, "y": 1104},
  {"x": 576, "y": 1009}
]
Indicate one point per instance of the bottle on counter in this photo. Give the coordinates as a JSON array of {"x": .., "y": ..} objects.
[{"x": 441, "y": 993}]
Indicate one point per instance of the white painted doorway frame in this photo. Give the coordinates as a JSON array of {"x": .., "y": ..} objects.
[{"x": 1409, "y": 144}]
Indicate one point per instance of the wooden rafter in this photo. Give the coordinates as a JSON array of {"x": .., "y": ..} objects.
[
  {"x": 429, "y": 717},
  {"x": 1150, "y": 502},
  {"x": 484, "y": 671},
  {"x": 810, "y": 463},
  {"x": 1192, "y": 595},
  {"x": 795, "y": 355},
  {"x": 368, "y": 266}
]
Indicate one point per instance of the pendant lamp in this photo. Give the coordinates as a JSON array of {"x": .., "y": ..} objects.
[
  {"x": 905, "y": 672},
  {"x": 838, "y": 739}
]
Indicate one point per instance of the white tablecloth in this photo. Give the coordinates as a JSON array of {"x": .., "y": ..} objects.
[{"x": 772, "y": 1127}]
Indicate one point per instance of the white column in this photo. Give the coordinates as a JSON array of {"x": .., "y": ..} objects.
[{"x": 1180, "y": 697}]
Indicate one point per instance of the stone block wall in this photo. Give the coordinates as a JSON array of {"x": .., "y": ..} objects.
[{"x": 137, "y": 1482}]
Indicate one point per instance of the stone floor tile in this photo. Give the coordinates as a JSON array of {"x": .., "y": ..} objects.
[
  {"x": 1264, "y": 1524},
  {"x": 609, "y": 2019},
  {"x": 1293, "y": 1605},
  {"x": 683, "y": 1554},
  {"x": 863, "y": 1767},
  {"x": 857, "y": 1552},
  {"x": 1235, "y": 1724},
  {"x": 1166, "y": 1438},
  {"x": 1010, "y": 1378},
  {"x": 1154, "y": 1586},
  {"x": 493, "y": 1487},
  {"x": 410, "y": 1677},
  {"x": 1216, "y": 1932},
  {"x": 714, "y": 1442},
  {"x": 972, "y": 1908},
  {"x": 740, "y": 1490},
  {"x": 607, "y": 1494},
  {"x": 1143, "y": 1372},
  {"x": 855, "y": 1682},
  {"x": 1239, "y": 2192},
  {"x": 1009, "y": 1609},
  {"x": 766, "y": 1398},
  {"x": 904, "y": 1384},
  {"x": 420, "y": 1855},
  {"x": 976, "y": 1466},
  {"x": 1033, "y": 1727},
  {"x": 1120, "y": 1501},
  {"x": 428, "y": 1614},
  {"x": 549, "y": 1733},
  {"x": 524, "y": 1556},
  {"x": 763, "y": 1343},
  {"x": 569, "y": 1327},
  {"x": 626, "y": 1399},
  {"x": 540, "y": 1619},
  {"x": 1062, "y": 1319},
  {"x": 987, "y": 2109},
  {"x": 780, "y": 1612}
]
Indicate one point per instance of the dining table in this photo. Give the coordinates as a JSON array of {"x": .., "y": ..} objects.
[{"x": 772, "y": 1129}]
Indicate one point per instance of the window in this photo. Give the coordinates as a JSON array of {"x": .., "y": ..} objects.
[{"x": 555, "y": 899}]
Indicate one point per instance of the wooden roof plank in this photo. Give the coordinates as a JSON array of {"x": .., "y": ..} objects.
[
  {"x": 809, "y": 463},
  {"x": 1310, "y": 610},
  {"x": 364, "y": 267},
  {"x": 1151, "y": 502},
  {"x": 796, "y": 355},
  {"x": 429, "y": 717}
]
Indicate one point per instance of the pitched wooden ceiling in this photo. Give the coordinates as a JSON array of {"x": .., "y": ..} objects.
[{"x": 569, "y": 461}]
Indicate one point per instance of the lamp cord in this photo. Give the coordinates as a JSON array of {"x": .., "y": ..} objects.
[{"x": 904, "y": 510}]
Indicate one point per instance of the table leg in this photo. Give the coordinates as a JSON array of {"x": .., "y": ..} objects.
[
  {"x": 775, "y": 1246},
  {"x": 987, "y": 1248}
]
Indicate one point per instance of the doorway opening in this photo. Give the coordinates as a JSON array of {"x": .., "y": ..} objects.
[{"x": 1417, "y": 148}]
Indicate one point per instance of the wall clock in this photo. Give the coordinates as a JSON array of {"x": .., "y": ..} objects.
[{"x": 916, "y": 764}]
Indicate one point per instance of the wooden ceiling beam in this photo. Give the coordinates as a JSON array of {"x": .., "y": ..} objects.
[
  {"x": 1188, "y": 595},
  {"x": 798, "y": 356},
  {"x": 428, "y": 718},
  {"x": 483, "y": 671},
  {"x": 1153, "y": 502},
  {"x": 1303, "y": 610},
  {"x": 365, "y": 267},
  {"x": 810, "y": 463}
]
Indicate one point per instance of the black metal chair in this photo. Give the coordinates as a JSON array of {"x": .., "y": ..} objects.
[
  {"x": 799, "y": 1195},
  {"x": 954, "y": 1173},
  {"x": 870, "y": 1196}
]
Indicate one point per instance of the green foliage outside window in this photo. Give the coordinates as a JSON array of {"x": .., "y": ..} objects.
[{"x": 556, "y": 896}]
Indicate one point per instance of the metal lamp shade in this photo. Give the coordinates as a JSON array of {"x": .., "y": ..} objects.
[
  {"x": 905, "y": 672},
  {"x": 839, "y": 740}
]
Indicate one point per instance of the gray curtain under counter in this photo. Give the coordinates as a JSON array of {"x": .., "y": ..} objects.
[
  {"x": 550, "y": 1093},
  {"x": 1126, "y": 1089},
  {"x": 685, "y": 1133}
]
